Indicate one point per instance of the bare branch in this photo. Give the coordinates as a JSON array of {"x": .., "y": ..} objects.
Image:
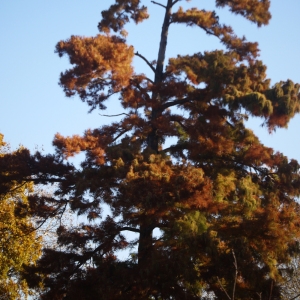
[
  {"x": 209, "y": 32},
  {"x": 120, "y": 134},
  {"x": 150, "y": 80},
  {"x": 182, "y": 146},
  {"x": 154, "y": 2},
  {"x": 228, "y": 123},
  {"x": 141, "y": 89},
  {"x": 222, "y": 288},
  {"x": 295, "y": 297},
  {"x": 47, "y": 218},
  {"x": 129, "y": 229},
  {"x": 271, "y": 290},
  {"x": 146, "y": 60},
  {"x": 17, "y": 187},
  {"x": 182, "y": 101},
  {"x": 236, "y": 273},
  {"x": 44, "y": 180},
  {"x": 114, "y": 115},
  {"x": 175, "y": 102},
  {"x": 176, "y": 1},
  {"x": 180, "y": 123}
]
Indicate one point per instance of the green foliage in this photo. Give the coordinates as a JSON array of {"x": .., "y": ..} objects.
[
  {"x": 226, "y": 206},
  {"x": 19, "y": 244}
]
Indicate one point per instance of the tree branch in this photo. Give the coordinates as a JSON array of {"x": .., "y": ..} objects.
[
  {"x": 271, "y": 290},
  {"x": 175, "y": 2},
  {"x": 181, "y": 146},
  {"x": 114, "y": 115},
  {"x": 295, "y": 297},
  {"x": 17, "y": 187},
  {"x": 89, "y": 255},
  {"x": 222, "y": 288},
  {"x": 150, "y": 80},
  {"x": 43, "y": 180},
  {"x": 154, "y": 2},
  {"x": 120, "y": 134},
  {"x": 175, "y": 102},
  {"x": 180, "y": 123},
  {"x": 182, "y": 101},
  {"x": 144, "y": 91},
  {"x": 146, "y": 60},
  {"x": 129, "y": 229},
  {"x": 47, "y": 218},
  {"x": 236, "y": 273},
  {"x": 209, "y": 32}
]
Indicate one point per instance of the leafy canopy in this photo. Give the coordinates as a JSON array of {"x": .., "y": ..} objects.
[
  {"x": 225, "y": 204},
  {"x": 19, "y": 244}
]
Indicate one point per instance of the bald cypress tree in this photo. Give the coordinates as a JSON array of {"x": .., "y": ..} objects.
[{"x": 224, "y": 203}]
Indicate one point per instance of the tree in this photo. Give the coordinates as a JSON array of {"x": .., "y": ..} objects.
[
  {"x": 291, "y": 284},
  {"x": 19, "y": 243},
  {"x": 215, "y": 191}
]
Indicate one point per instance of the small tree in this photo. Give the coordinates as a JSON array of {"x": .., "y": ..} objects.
[
  {"x": 215, "y": 191},
  {"x": 19, "y": 243}
]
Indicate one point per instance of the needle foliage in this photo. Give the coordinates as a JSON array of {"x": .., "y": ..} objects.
[{"x": 224, "y": 203}]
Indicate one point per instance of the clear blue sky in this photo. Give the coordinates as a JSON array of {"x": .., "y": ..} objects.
[{"x": 33, "y": 106}]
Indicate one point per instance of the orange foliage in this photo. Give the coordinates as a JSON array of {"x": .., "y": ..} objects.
[{"x": 212, "y": 190}]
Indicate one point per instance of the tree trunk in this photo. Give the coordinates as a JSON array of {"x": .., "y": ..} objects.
[
  {"x": 153, "y": 138},
  {"x": 145, "y": 245},
  {"x": 146, "y": 228}
]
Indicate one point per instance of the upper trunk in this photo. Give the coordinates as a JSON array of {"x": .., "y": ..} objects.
[
  {"x": 153, "y": 138},
  {"x": 163, "y": 44}
]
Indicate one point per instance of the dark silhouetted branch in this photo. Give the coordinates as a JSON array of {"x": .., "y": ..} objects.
[
  {"x": 146, "y": 60},
  {"x": 154, "y": 2}
]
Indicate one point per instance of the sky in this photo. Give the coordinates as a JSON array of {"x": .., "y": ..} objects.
[{"x": 33, "y": 105}]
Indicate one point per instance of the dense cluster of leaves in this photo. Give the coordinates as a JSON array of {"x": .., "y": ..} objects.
[
  {"x": 225, "y": 204},
  {"x": 19, "y": 243}
]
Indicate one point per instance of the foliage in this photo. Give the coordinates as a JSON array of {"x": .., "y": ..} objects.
[
  {"x": 215, "y": 190},
  {"x": 19, "y": 243}
]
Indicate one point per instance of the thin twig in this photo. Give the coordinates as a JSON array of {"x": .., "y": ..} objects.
[
  {"x": 271, "y": 290},
  {"x": 295, "y": 297},
  {"x": 196, "y": 98},
  {"x": 114, "y": 115},
  {"x": 150, "y": 80},
  {"x": 175, "y": 2},
  {"x": 236, "y": 273},
  {"x": 17, "y": 187},
  {"x": 223, "y": 288},
  {"x": 129, "y": 229},
  {"x": 120, "y": 134},
  {"x": 154, "y": 2},
  {"x": 146, "y": 60},
  {"x": 183, "y": 126},
  {"x": 176, "y": 102}
]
